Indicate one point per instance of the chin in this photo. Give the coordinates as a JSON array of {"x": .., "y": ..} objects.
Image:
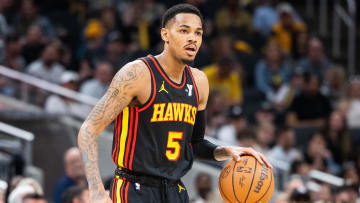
[{"x": 188, "y": 61}]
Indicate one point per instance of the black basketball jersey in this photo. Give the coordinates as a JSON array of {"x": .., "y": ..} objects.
[{"x": 155, "y": 138}]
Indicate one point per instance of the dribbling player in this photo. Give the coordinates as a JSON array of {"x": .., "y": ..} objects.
[{"x": 158, "y": 104}]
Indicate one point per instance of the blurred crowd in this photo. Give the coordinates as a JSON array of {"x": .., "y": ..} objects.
[{"x": 273, "y": 85}]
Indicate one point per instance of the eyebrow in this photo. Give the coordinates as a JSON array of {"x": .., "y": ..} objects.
[{"x": 186, "y": 26}]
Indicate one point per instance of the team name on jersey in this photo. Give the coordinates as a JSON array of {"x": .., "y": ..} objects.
[{"x": 179, "y": 112}]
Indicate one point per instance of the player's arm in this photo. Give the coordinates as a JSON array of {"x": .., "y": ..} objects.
[
  {"x": 123, "y": 89},
  {"x": 205, "y": 149}
]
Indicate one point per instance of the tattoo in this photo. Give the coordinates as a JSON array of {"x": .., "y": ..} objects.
[
  {"x": 105, "y": 111},
  {"x": 98, "y": 112}
]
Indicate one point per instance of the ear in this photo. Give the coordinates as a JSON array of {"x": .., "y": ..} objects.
[{"x": 164, "y": 35}]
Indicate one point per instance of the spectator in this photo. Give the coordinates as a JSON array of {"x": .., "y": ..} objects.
[
  {"x": 316, "y": 62},
  {"x": 141, "y": 22},
  {"x": 76, "y": 194},
  {"x": 97, "y": 86},
  {"x": 350, "y": 175},
  {"x": 204, "y": 190},
  {"x": 13, "y": 58},
  {"x": 285, "y": 150},
  {"x": 26, "y": 186},
  {"x": 215, "y": 116},
  {"x": 74, "y": 173},
  {"x": 334, "y": 83},
  {"x": 47, "y": 66},
  {"x": 310, "y": 108},
  {"x": 299, "y": 169},
  {"x": 265, "y": 17},
  {"x": 233, "y": 18},
  {"x": 265, "y": 114},
  {"x": 237, "y": 123},
  {"x": 288, "y": 27},
  {"x": 337, "y": 137},
  {"x": 343, "y": 194},
  {"x": 224, "y": 76},
  {"x": 28, "y": 16},
  {"x": 351, "y": 106},
  {"x": 300, "y": 195},
  {"x": 203, "y": 184},
  {"x": 116, "y": 51},
  {"x": 92, "y": 51},
  {"x": 319, "y": 157},
  {"x": 34, "y": 44},
  {"x": 108, "y": 21},
  {"x": 246, "y": 138},
  {"x": 34, "y": 198},
  {"x": 273, "y": 73},
  {"x": 58, "y": 105},
  {"x": 301, "y": 46},
  {"x": 323, "y": 195},
  {"x": 265, "y": 137},
  {"x": 296, "y": 86},
  {"x": 291, "y": 186}
]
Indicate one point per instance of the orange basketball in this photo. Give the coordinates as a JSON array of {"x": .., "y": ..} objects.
[{"x": 246, "y": 181}]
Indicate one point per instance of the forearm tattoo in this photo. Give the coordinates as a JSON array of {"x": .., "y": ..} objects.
[{"x": 105, "y": 111}]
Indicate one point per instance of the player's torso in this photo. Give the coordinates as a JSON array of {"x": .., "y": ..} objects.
[{"x": 155, "y": 137}]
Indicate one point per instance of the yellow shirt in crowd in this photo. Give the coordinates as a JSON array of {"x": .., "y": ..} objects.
[{"x": 231, "y": 86}]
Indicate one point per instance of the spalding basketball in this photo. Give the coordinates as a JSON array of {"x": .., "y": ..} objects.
[{"x": 246, "y": 181}]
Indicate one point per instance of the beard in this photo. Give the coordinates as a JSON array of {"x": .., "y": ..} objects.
[{"x": 187, "y": 62}]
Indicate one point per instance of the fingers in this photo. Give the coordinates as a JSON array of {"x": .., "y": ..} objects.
[
  {"x": 257, "y": 156},
  {"x": 266, "y": 161},
  {"x": 260, "y": 157}
]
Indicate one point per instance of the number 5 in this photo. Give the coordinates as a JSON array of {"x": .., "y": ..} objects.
[{"x": 173, "y": 146}]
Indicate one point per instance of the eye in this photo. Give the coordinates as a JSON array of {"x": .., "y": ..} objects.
[
  {"x": 183, "y": 31},
  {"x": 198, "y": 33}
]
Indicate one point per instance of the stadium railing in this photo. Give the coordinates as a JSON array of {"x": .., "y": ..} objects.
[{"x": 340, "y": 15}]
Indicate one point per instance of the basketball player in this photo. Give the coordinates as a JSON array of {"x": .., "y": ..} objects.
[{"x": 158, "y": 104}]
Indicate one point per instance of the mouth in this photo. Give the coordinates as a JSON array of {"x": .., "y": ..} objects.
[{"x": 190, "y": 50}]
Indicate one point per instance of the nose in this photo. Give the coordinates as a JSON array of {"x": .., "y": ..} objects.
[{"x": 192, "y": 38}]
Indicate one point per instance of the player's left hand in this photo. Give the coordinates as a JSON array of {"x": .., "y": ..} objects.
[{"x": 236, "y": 152}]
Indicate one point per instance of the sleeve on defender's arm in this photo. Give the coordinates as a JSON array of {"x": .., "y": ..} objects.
[{"x": 203, "y": 149}]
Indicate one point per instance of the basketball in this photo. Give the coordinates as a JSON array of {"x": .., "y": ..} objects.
[{"x": 246, "y": 181}]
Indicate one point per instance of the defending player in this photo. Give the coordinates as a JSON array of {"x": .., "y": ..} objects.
[{"x": 158, "y": 103}]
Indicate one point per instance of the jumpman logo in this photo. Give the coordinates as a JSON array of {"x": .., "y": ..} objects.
[
  {"x": 180, "y": 188},
  {"x": 162, "y": 88}
]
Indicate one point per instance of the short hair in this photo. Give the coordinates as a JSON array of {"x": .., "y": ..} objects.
[
  {"x": 180, "y": 8},
  {"x": 71, "y": 193}
]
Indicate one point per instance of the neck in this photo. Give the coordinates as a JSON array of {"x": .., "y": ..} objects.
[{"x": 173, "y": 67}]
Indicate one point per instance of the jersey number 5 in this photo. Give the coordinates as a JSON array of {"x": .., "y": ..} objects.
[{"x": 173, "y": 146}]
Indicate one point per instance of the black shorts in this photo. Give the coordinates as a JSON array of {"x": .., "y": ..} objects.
[{"x": 123, "y": 191}]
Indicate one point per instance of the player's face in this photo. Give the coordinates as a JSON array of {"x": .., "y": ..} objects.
[{"x": 183, "y": 36}]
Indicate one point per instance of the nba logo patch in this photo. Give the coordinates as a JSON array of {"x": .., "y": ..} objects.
[{"x": 137, "y": 186}]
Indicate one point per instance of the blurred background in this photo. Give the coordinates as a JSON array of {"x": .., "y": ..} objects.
[{"x": 283, "y": 80}]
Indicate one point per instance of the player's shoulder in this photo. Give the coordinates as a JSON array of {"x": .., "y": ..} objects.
[
  {"x": 134, "y": 71},
  {"x": 198, "y": 74},
  {"x": 136, "y": 67},
  {"x": 137, "y": 64},
  {"x": 200, "y": 78}
]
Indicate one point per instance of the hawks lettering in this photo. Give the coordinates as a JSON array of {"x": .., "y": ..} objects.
[{"x": 180, "y": 112}]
